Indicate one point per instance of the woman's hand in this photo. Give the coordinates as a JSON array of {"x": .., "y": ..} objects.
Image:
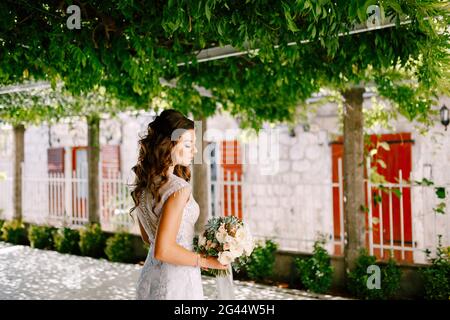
[{"x": 212, "y": 263}]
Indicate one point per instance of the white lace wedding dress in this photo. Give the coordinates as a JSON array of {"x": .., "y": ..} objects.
[{"x": 164, "y": 281}]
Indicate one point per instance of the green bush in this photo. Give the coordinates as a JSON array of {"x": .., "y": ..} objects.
[
  {"x": 1, "y": 225},
  {"x": 119, "y": 248},
  {"x": 389, "y": 284},
  {"x": 66, "y": 240},
  {"x": 92, "y": 241},
  {"x": 437, "y": 276},
  {"x": 262, "y": 260},
  {"x": 14, "y": 231},
  {"x": 316, "y": 273},
  {"x": 41, "y": 237}
]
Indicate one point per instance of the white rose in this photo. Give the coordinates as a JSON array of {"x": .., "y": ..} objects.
[
  {"x": 236, "y": 249},
  {"x": 221, "y": 236},
  {"x": 225, "y": 257},
  {"x": 241, "y": 234},
  {"x": 201, "y": 240}
]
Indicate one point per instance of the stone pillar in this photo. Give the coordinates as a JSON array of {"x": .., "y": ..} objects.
[
  {"x": 93, "y": 168},
  {"x": 353, "y": 163},
  {"x": 200, "y": 178},
  {"x": 19, "y": 157}
]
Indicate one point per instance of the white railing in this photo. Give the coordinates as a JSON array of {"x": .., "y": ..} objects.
[
  {"x": 6, "y": 188},
  {"x": 225, "y": 194},
  {"x": 424, "y": 225},
  {"x": 58, "y": 199},
  {"x": 115, "y": 203},
  {"x": 6, "y": 196}
]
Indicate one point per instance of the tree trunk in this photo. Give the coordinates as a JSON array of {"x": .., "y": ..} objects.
[
  {"x": 200, "y": 179},
  {"x": 354, "y": 200},
  {"x": 19, "y": 157},
  {"x": 93, "y": 168}
]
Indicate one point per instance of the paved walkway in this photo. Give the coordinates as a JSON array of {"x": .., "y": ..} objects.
[{"x": 27, "y": 273}]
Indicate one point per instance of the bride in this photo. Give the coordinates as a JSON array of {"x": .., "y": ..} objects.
[{"x": 167, "y": 212}]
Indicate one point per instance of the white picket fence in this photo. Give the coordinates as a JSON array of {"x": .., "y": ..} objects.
[
  {"x": 58, "y": 199},
  {"x": 62, "y": 200},
  {"x": 425, "y": 224},
  {"x": 227, "y": 188}
]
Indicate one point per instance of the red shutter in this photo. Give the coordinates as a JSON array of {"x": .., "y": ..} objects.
[
  {"x": 232, "y": 165},
  {"x": 55, "y": 165},
  {"x": 55, "y": 160},
  {"x": 110, "y": 155}
]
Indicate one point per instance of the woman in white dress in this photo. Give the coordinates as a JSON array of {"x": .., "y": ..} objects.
[{"x": 167, "y": 212}]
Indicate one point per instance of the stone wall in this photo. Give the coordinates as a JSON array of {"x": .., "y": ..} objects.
[{"x": 293, "y": 203}]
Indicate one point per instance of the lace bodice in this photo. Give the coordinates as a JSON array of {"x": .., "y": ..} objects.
[{"x": 159, "y": 280}]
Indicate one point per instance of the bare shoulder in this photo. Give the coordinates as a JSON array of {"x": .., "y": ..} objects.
[
  {"x": 183, "y": 192},
  {"x": 180, "y": 196}
]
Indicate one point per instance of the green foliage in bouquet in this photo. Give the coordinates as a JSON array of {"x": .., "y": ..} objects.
[
  {"x": 14, "y": 231},
  {"x": 119, "y": 248},
  {"x": 357, "y": 278},
  {"x": 437, "y": 276},
  {"x": 66, "y": 240},
  {"x": 92, "y": 241},
  {"x": 1, "y": 225},
  {"x": 41, "y": 237},
  {"x": 316, "y": 273},
  {"x": 262, "y": 260}
]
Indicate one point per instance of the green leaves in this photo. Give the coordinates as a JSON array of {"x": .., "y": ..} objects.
[
  {"x": 440, "y": 192},
  {"x": 424, "y": 182},
  {"x": 316, "y": 273},
  {"x": 290, "y": 21},
  {"x": 436, "y": 275},
  {"x": 207, "y": 11},
  {"x": 127, "y": 46},
  {"x": 359, "y": 277},
  {"x": 440, "y": 208},
  {"x": 78, "y": 55}
]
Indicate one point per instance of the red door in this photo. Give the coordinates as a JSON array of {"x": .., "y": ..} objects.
[
  {"x": 397, "y": 228},
  {"x": 232, "y": 177}
]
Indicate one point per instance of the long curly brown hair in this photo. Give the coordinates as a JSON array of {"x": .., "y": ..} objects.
[{"x": 154, "y": 159}]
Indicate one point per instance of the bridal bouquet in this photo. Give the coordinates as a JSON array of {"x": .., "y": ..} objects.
[{"x": 228, "y": 239}]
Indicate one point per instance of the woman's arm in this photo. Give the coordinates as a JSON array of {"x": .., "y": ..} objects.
[{"x": 166, "y": 247}]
